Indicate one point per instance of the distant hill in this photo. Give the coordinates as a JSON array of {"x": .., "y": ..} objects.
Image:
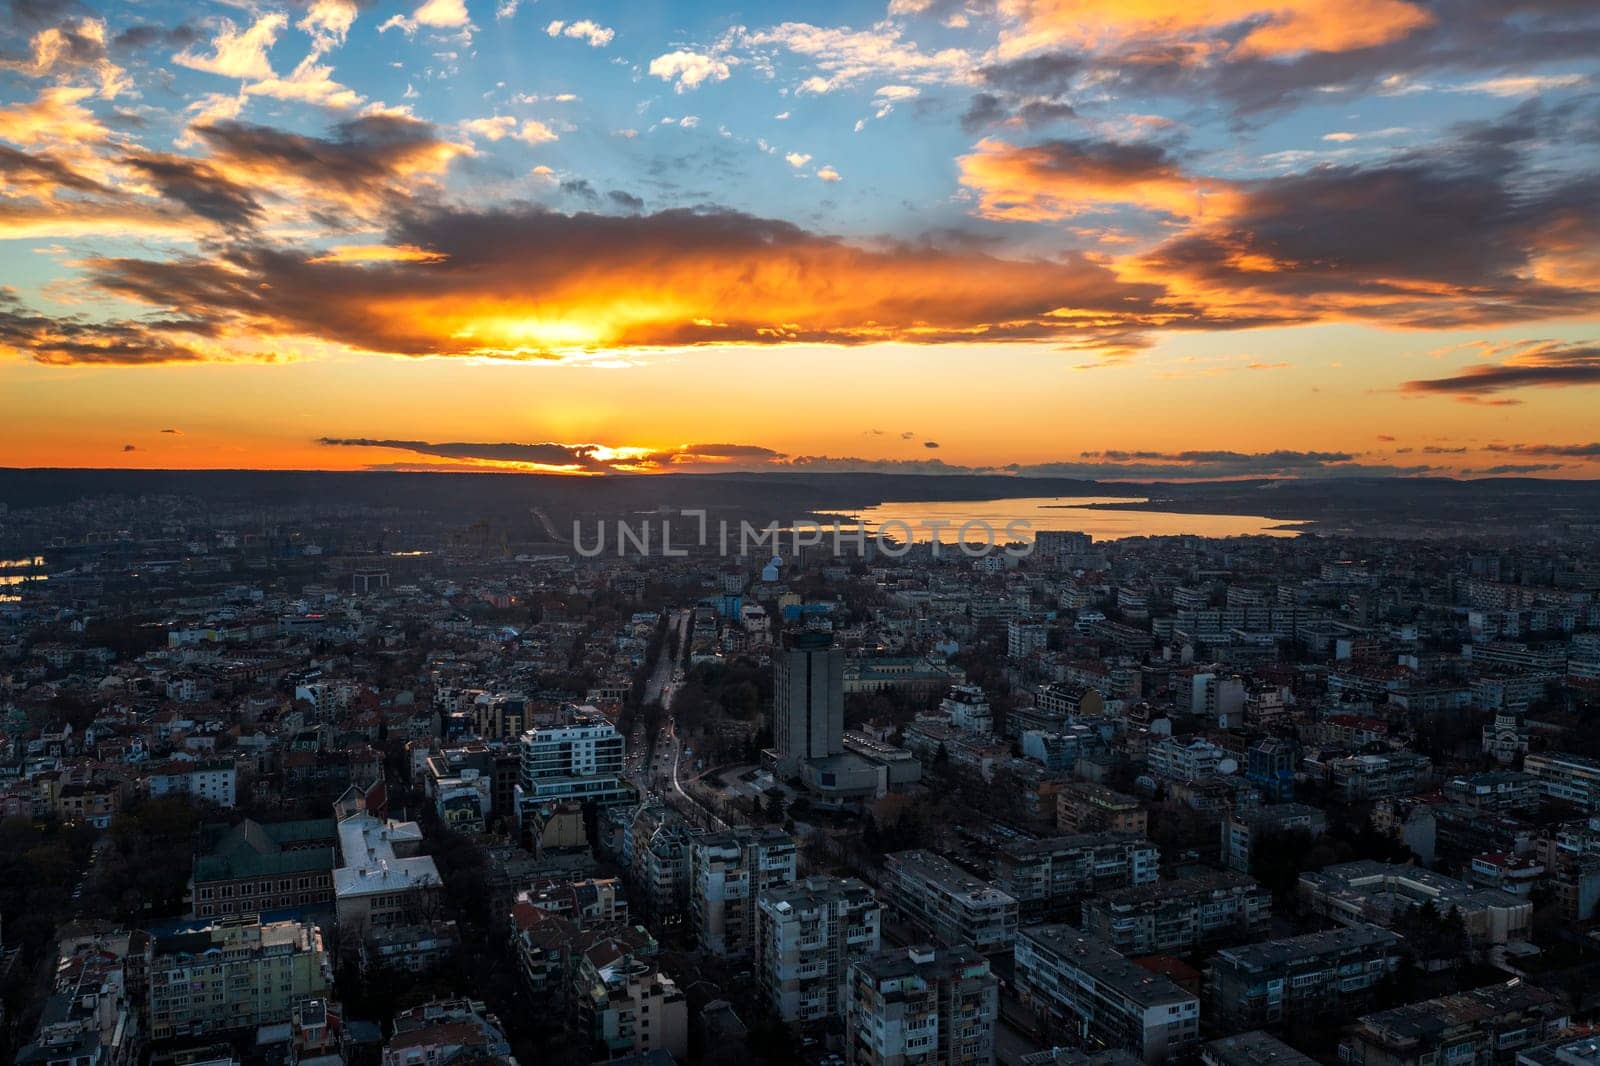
[{"x": 1346, "y": 502}]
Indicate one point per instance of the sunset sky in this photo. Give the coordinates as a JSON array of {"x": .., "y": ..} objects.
[{"x": 1105, "y": 238}]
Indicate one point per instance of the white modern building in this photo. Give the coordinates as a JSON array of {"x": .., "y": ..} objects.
[
  {"x": 968, "y": 709},
  {"x": 578, "y": 759}
]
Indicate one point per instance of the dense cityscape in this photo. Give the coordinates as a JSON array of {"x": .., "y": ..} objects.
[
  {"x": 344, "y": 783},
  {"x": 832, "y": 533}
]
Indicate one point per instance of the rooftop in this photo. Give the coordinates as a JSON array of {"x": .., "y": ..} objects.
[
  {"x": 1254, "y": 1048},
  {"x": 1284, "y": 951},
  {"x": 1104, "y": 965},
  {"x": 948, "y": 876}
]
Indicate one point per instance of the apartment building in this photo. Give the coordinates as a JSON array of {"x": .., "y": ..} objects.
[
  {"x": 659, "y": 848},
  {"x": 1180, "y": 916},
  {"x": 1083, "y": 807},
  {"x": 590, "y": 903},
  {"x": 1478, "y": 1028},
  {"x": 212, "y": 780},
  {"x": 1083, "y": 987},
  {"x": 921, "y": 1005},
  {"x": 626, "y": 1004},
  {"x": 1568, "y": 778},
  {"x": 1048, "y": 877},
  {"x": 1497, "y": 790},
  {"x": 1571, "y": 857},
  {"x": 1316, "y": 975},
  {"x": 1244, "y": 831},
  {"x": 727, "y": 873},
  {"x": 578, "y": 757},
  {"x": 1377, "y": 892},
  {"x": 807, "y": 935},
  {"x": 1176, "y": 760},
  {"x": 1357, "y": 778},
  {"x": 947, "y": 903},
  {"x": 235, "y": 973}
]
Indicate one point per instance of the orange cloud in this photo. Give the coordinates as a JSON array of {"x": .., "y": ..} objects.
[
  {"x": 526, "y": 283},
  {"x": 377, "y": 253},
  {"x": 1062, "y": 178},
  {"x": 55, "y": 116},
  {"x": 1220, "y": 28}
]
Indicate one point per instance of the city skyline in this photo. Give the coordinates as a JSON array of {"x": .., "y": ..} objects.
[{"x": 1153, "y": 241}]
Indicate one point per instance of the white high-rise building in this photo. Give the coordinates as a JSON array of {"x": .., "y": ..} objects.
[
  {"x": 922, "y": 1005},
  {"x": 807, "y": 935},
  {"x": 727, "y": 872},
  {"x": 1024, "y": 636}
]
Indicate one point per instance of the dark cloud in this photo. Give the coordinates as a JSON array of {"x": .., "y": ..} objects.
[
  {"x": 175, "y": 432},
  {"x": 1120, "y": 160},
  {"x": 1050, "y": 74},
  {"x": 31, "y": 14},
  {"x": 1531, "y": 365},
  {"x": 626, "y": 200},
  {"x": 580, "y": 457},
  {"x": 930, "y": 444},
  {"x": 1105, "y": 465},
  {"x": 1459, "y": 234},
  {"x": 985, "y": 110},
  {"x": 584, "y": 458},
  {"x": 730, "y": 451},
  {"x": 1265, "y": 465},
  {"x": 857, "y": 465},
  {"x": 78, "y": 341},
  {"x": 365, "y": 156},
  {"x": 1571, "y": 451},
  {"x": 42, "y": 172},
  {"x": 1212, "y": 463},
  {"x": 1154, "y": 466},
  {"x": 1515, "y": 468},
  {"x": 579, "y": 187},
  {"x": 129, "y": 448},
  {"x": 199, "y": 188},
  {"x": 145, "y": 35}
]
